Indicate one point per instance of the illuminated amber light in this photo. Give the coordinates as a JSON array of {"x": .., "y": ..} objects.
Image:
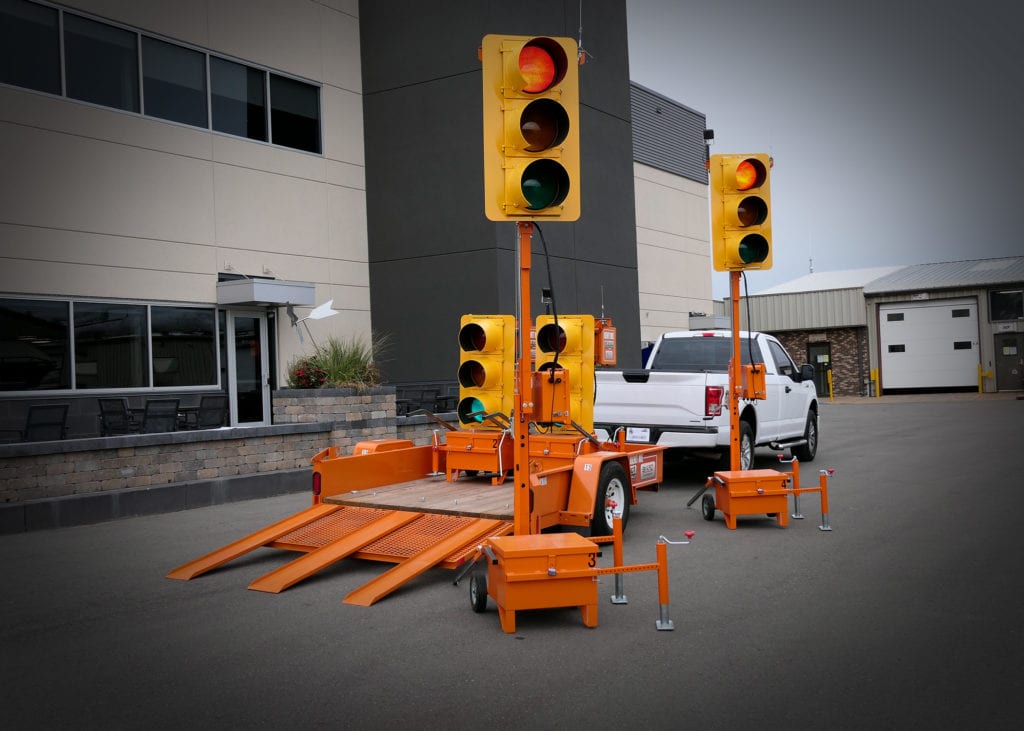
[{"x": 537, "y": 67}]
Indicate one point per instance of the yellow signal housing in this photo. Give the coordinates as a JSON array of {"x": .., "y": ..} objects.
[
  {"x": 573, "y": 341},
  {"x": 487, "y": 347},
  {"x": 741, "y": 228},
  {"x": 531, "y": 128}
]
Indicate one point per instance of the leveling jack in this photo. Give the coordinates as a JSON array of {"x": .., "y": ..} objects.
[
  {"x": 547, "y": 570},
  {"x": 761, "y": 492}
]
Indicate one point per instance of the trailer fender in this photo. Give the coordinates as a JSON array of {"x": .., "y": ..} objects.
[{"x": 585, "y": 477}]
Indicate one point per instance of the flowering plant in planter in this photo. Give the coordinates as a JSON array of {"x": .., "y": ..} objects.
[{"x": 338, "y": 364}]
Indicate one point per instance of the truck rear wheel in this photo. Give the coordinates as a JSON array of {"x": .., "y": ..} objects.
[
  {"x": 746, "y": 449},
  {"x": 612, "y": 499}
]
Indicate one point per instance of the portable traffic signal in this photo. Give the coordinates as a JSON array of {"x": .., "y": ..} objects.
[
  {"x": 531, "y": 128},
  {"x": 572, "y": 339},
  {"x": 487, "y": 352},
  {"x": 741, "y": 227}
]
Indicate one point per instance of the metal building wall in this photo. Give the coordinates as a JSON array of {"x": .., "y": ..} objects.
[
  {"x": 433, "y": 256},
  {"x": 805, "y": 310},
  {"x": 668, "y": 135}
]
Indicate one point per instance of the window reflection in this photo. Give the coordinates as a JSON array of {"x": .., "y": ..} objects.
[
  {"x": 183, "y": 347},
  {"x": 110, "y": 345},
  {"x": 33, "y": 345}
]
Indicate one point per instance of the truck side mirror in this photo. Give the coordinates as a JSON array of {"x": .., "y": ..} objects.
[{"x": 806, "y": 372}]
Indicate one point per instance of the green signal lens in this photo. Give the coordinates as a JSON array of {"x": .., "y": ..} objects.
[
  {"x": 545, "y": 183},
  {"x": 544, "y": 124},
  {"x": 752, "y": 211},
  {"x": 471, "y": 410},
  {"x": 753, "y": 249}
]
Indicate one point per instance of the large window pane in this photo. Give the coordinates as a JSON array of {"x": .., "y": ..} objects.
[
  {"x": 34, "y": 345},
  {"x": 110, "y": 346},
  {"x": 174, "y": 82},
  {"x": 294, "y": 114},
  {"x": 29, "y": 46},
  {"x": 102, "y": 63},
  {"x": 184, "y": 349},
  {"x": 238, "y": 99}
]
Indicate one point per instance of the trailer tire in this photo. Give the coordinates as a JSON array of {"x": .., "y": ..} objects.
[
  {"x": 707, "y": 507},
  {"x": 478, "y": 591},
  {"x": 612, "y": 486}
]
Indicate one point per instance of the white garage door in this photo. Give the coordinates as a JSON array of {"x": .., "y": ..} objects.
[{"x": 929, "y": 344}]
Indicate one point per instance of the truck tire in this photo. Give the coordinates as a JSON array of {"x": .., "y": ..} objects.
[
  {"x": 746, "y": 449},
  {"x": 612, "y": 487},
  {"x": 806, "y": 452}
]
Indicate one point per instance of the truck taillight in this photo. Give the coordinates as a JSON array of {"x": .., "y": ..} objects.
[{"x": 713, "y": 396}]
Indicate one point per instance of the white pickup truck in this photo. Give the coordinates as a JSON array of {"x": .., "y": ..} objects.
[{"x": 681, "y": 398}]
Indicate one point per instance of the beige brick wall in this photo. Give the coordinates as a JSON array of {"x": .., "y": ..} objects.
[{"x": 356, "y": 416}]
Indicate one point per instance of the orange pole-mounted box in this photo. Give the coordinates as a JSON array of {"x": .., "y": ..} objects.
[
  {"x": 551, "y": 395},
  {"x": 605, "y": 343},
  {"x": 753, "y": 384}
]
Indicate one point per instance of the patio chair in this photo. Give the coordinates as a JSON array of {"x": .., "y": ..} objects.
[
  {"x": 161, "y": 415},
  {"x": 212, "y": 412},
  {"x": 44, "y": 423},
  {"x": 115, "y": 418}
]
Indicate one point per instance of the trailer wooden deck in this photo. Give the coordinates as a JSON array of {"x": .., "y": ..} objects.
[{"x": 466, "y": 497}]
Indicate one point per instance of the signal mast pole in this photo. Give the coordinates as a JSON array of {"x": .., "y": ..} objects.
[{"x": 523, "y": 399}]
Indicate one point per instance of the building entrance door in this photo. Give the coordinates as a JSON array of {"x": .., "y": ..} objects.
[
  {"x": 820, "y": 356},
  {"x": 1009, "y": 361},
  {"x": 248, "y": 368}
]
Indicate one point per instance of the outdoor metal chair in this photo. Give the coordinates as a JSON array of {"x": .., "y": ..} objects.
[
  {"x": 211, "y": 414},
  {"x": 115, "y": 418},
  {"x": 44, "y": 423},
  {"x": 161, "y": 415}
]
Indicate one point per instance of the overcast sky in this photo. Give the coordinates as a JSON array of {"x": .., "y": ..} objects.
[{"x": 897, "y": 128}]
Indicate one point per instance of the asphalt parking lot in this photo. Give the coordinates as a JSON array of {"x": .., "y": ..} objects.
[{"x": 906, "y": 615}]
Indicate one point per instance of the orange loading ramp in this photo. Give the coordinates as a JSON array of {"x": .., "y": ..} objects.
[{"x": 327, "y": 533}]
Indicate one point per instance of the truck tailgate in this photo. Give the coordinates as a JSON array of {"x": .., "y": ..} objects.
[{"x": 664, "y": 398}]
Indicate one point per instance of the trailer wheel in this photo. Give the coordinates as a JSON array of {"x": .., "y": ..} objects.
[
  {"x": 478, "y": 591},
  {"x": 612, "y": 499},
  {"x": 707, "y": 507}
]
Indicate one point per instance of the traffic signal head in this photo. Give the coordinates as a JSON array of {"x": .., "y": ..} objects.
[
  {"x": 486, "y": 370},
  {"x": 741, "y": 229},
  {"x": 572, "y": 339},
  {"x": 531, "y": 128}
]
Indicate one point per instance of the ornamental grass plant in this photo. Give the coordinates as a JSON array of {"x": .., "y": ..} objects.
[{"x": 348, "y": 363}]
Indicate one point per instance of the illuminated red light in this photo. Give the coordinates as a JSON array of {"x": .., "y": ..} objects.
[
  {"x": 537, "y": 67},
  {"x": 746, "y": 175}
]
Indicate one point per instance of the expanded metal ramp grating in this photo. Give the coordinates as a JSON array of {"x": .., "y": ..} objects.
[{"x": 329, "y": 528}]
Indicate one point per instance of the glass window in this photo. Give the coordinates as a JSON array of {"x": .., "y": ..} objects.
[
  {"x": 783, "y": 364},
  {"x": 961, "y": 313},
  {"x": 1006, "y": 305},
  {"x": 238, "y": 99},
  {"x": 894, "y": 317},
  {"x": 102, "y": 63},
  {"x": 961, "y": 345},
  {"x": 34, "y": 345},
  {"x": 29, "y": 46},
  {"x": 184, "y": 352},
  {"x": 897, "y": 348},
  {"x": 110, "y": 346},
  {"x": 294, "y": 114},
  {"x": 174, "y": 82},
  {"x": 701, "y": 354}
]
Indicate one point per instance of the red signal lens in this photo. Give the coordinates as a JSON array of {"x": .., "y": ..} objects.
[
  {"x": 750, "y": 173},
  {"x": 537, "y": 67}
]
